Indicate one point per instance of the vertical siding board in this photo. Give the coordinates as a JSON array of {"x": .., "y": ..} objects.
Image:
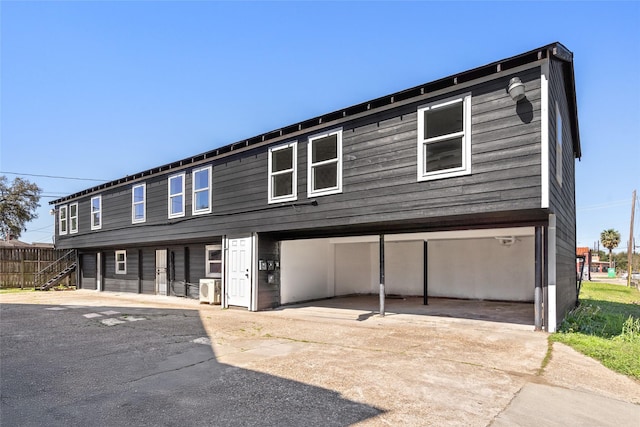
[
  {"x": 562, "y": 197},
  {"x": 148, "y": 271},
  {"x": 88, "y": 272}
]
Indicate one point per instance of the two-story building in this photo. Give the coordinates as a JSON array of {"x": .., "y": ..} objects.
[{"x": 468, "y": 181}]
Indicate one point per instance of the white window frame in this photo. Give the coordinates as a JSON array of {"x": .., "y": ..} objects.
[
  {"x": 465, "y": 169},
  {"x": 293, "y": 171},
  {"x": 559, "y": 152},
  {"x": 207, "y": 210},
  {"x": 207, "y": 262},
  {"x": 338, "y": 161},
  {"x": 98, "y": 211},
  {"x": 63, "y": 223},
  {"x": 72, "y": 229},
  {"x": 123, "y": 262},
  {"x": 135, "y": 220},
  {"x": 169, "y": 195}
]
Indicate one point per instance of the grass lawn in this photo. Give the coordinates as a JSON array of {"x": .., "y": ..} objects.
[{"x": 606, "y": 326}]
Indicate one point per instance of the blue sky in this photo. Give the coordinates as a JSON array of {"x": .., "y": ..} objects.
[{"x": 101, "y": 90}]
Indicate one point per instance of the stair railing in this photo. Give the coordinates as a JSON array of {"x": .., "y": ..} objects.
[{"x": 56, "y": 267}]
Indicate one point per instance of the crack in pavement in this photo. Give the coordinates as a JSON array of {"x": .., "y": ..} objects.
[{"x": 172, "y": 370}]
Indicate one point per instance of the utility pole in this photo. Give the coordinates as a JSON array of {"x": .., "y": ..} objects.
[{"x": 631, "y": 246}]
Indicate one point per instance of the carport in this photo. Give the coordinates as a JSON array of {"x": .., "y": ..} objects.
[{"x": 463, "y": 269}]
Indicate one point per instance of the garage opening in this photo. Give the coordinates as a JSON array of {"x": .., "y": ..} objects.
[{"x": 483, "y": 273}]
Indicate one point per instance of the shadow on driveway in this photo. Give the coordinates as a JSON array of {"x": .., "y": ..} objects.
[{"x": 70, "y": 365}]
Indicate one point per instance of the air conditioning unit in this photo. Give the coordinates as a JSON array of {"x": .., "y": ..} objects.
[{"x": 210, "y": 291}]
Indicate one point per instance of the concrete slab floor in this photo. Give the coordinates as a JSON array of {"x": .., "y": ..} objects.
[{"x": 365, "y": 306}]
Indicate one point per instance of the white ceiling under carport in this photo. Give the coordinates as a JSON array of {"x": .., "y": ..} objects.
[{"x": 441, "y": 235}]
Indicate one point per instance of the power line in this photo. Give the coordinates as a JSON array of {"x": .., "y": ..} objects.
[
  {"x": 40, "y": 229},
  {"x": 612, "y": 204},
  {"x": 55, "y": 177}
]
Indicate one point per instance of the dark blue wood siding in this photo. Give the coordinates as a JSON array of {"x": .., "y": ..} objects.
[
  {"x": 121, "y": 282},
  {"x": 379, "y": 179},
  {"x": 562, "y": 197},
  {"x": 88, "y": 271}
]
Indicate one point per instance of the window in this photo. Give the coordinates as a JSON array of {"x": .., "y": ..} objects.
[
  {"x": 444, "y": 139},
  {"x": 325, "y": 163},
  {"x": 201, "y": 190},
  {"x": 121, "y": 262},
  {"x": 176, "y": 196},
  {"x": 63, "y": 220},
  {"x": 213, "y": 260},
  {"x": 96, "y": 213},
  {"x": 559, "y": 153},
  {"x": 138, "y": 203},
  {"x": 73, "y": 218},
  {"x": 282, "y": 173}
]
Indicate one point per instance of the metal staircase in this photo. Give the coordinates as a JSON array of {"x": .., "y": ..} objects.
[{"x": 55, "y": 272}]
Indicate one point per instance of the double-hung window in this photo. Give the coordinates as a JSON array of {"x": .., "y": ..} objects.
[
  {"x": 63, "y": 220},
  {"x": 96, "y": 213},
  {"x": 201, "y": 197},
  {"x": 138, "y": 203},
  {"x": 121, "y": 262},
  {"x": 176, "y": 196},
  {"x": 73, "y": 218},
  {"x": 324, "y": 174},
  {"x": 444, "y": 138},
  {"x": 214, "y": 261},
  {"x": 282, "y": 173}
]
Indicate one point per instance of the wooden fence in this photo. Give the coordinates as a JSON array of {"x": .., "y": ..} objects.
[{"x": 19, "y": 266}]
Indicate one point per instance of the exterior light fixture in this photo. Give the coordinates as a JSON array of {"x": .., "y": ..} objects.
[
  {"x": 516, "y": 89},
  {"x": 506, "y": 240}
]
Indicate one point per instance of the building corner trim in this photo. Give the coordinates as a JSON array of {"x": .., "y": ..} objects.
[{"x": 544, "y": 135}]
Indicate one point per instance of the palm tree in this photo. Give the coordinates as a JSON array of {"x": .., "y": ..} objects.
[{"x": 610, "y": 239}]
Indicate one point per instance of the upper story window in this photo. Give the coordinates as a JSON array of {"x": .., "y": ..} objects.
[
  {"x": 283, "y": 173},
  {"x": 444, "y": 139},
  {"x": 324, "y": 175},
  {"x": 73, "y": 218},
  {"x": 201, "y": 179},
  {"x": 96, "y": 213},
  {"x": 63, "y": 220},
  {"x": 121, "y": 262},
  {"x": 559, "y": 153},
  {"x": 138, "y": 203},
  {"x": 176, "y": 196}
]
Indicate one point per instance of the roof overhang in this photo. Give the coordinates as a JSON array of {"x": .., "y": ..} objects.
[{"x": 383, "y": 103}]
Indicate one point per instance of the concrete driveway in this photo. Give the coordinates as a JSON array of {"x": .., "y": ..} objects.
[{"x": 87, "y": 358}]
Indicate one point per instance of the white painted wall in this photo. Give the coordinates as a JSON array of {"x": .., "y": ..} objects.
[
  {"x": 404, "y": 268},
  {"x": 353, "y": 268},
  {"x": 482, "y": 269},
  {"x": 306, "y": 270},
  {"x": 477, "y": 267}
]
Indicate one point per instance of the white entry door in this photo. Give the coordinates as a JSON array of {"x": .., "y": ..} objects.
[
  {"x": 161, "y": 272},
  {"x": 239, "y": 272}
]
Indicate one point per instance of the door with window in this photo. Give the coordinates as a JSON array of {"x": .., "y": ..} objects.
[
  {"x": 239, "y": 272},
  {"x": 161, "y": 272}
]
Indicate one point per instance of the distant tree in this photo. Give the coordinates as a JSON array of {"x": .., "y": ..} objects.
[
  {"x": 18, "y": 204},
  {"x": 610, "y": 239},
  {"x": 621, "y": 261}
]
